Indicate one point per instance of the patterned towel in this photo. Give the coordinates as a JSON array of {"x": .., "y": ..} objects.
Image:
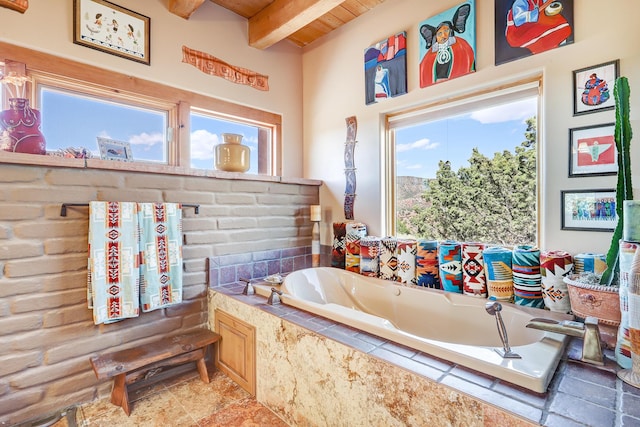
[
  {"x": 370, "y": 256},
  {"x": 406, "y": 255},
  {"x": 113, "y": 261},
  {"x": 473, "y": 278},
  {"x": 527, "y": 280},
  {"x": 427, "y": 274},
  {"x": 623, "y": 343},
  {"x": 389, "y": 258},
  {"x": 450, "y": 264},
  {"x": 339, "y": 244},
  {"x": 589, "y": 263},
  {"x": 554, "y": 266},
  {"x": 497, "y": 265},
  {"x": 161, "y": 255},
  {"x": 355, "y": 231}
]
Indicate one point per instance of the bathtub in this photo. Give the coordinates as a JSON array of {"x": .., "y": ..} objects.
[{"x": 450, "y": 326}]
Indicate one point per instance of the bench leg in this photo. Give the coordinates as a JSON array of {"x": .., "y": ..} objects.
[
  {"x": 119, "y": 395},
  {"x": 202, "y": 369}
]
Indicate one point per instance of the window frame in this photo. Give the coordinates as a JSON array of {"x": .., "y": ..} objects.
[
  {"x": 113, "y": 86},
  {"x": 448, "y": 107}
]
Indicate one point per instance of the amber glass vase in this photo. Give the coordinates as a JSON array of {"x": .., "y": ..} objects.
[
  {"x": 232, "y": 156},
  {"x": 20, "y": 126}
]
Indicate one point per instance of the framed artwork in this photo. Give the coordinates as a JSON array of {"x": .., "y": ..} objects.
[
  {"x": 385, "y": 69},
  {"x": 592, "y": 151},
  {"x": 591, "y": 88},
  {"x": 110, "y": 149},
  {"x": 528, "y": 27},
  {"x": 105, "y": 26},
  {"x": 589, "y": 210},
  {"x": 448, "y": 44}
]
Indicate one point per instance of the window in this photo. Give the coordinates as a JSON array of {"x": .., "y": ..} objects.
[{"x": 466, "y": 170}]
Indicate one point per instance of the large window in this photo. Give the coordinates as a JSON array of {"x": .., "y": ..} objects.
[{"x": 466, "y": 170}]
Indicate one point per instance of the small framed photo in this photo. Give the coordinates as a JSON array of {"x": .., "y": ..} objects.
[
  {"x": 110, "y": 149},
  {"x": 592, "y": 151},
  {"x": 105, "y": 26},
  {"x": 593, "y": 88},
  {"x": 590, "y": 210}
]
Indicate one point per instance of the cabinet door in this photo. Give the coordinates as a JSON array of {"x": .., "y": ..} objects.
[{"x": 236, "y": 350}]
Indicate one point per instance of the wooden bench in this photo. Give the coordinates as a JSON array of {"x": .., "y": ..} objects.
[{"x": 133, "y": 364}]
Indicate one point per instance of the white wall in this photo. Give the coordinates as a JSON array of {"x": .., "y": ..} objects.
[
  {"x": 48, "y": 26},
  {"x": 333, "y": 78}
]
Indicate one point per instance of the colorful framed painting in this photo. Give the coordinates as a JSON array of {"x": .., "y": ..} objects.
[
  {"x": 448, "y": 44},
  {"x": 110, "y": 149},
  {"x": 592, "y": 151},
  {"x": 105, "y": 26},
  {"x": 589, "y": 210},
  {"x": 385, "y": 69},
  {"x": 591, "y": 88},
  {"x": 528, "y": 27}
]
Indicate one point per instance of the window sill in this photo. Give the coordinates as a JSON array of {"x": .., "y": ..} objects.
[{"x": 54, "y": 161}]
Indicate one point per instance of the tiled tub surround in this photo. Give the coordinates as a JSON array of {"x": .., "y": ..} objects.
[{"x": 314, "y": 371}]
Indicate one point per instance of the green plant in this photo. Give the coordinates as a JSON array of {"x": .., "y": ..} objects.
[{"x": 624, "y": 190}]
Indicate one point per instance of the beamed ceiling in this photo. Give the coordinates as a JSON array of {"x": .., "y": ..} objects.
[{"x": 270, "y": 21}]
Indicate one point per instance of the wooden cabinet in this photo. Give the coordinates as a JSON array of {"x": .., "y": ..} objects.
[{"x": 236, "y": 355}]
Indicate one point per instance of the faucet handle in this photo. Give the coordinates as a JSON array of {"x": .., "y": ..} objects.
[{"x": 248, "y": 287}]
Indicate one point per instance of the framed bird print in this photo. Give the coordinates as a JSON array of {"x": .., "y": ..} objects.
[{"x": 592, "y": 151}]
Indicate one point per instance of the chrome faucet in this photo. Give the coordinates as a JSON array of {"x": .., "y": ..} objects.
[
  {"x": 588, "y": 331},
  {"x": 248, "y": 287},
  {"x": 274, "y": 298},
  {"x": 494, "y": 308}
]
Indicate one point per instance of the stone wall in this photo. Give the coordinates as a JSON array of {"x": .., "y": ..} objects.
[{"x": 47, "y": 333}]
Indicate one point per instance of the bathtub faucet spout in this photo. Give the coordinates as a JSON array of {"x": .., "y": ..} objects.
[
  {"x": 494, "y": 308},
  {"x": 588, "y": 331},
  {"x": 274, "y": 298}
]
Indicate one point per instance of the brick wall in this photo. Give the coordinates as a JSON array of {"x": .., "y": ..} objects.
[{"x": 47, "y": 333}]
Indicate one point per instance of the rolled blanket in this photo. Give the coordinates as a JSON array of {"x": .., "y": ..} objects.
[
  {"x": 631, "y": 223},
  {"x": 589, "y": 263},
  {"x": 339, "y": 244},
  {"x": 623, "y": 343},
  {"x": 427, "y": 273},
  {"x": 406, "y": 255},
  {"x": 370, "y": 256},
  {"x": 450, "y": 264},
  {"x": 473, "y": 277},
  {"x": 497, "y": 263},
  {"x": 389, "y": 258},
  {"x": 527, "y": 280},
  {"x": 554, "y": 266},
  {"x": 355, "y": 231}
]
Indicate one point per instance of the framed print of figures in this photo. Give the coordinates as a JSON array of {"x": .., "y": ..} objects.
[
  {"x": 591, "y": 210},
  {"x": 528, "y": 27},
  {"x": 592, "y": 151},
  {"x": 448, "y": 44},
  {"x": 591, "y": 88},
  {"x": 105, "y": 26},
  {"x": 385, "y": 68}
]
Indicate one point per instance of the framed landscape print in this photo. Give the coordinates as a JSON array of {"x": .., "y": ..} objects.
[
  {"x": 105, "y": 26},
  {"x": 589, "y": 210},
  {"x": 592, "y": 151},
  {"x": 593, "y": 88}
]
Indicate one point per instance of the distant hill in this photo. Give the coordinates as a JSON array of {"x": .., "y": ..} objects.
[{"x": 409, "y": 191}]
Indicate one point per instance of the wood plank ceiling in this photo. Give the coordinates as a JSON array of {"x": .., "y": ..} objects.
[{"x": 299, "y": 21}]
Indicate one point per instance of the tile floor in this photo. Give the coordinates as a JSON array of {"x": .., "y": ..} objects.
[{"x": 185, "y": 401}]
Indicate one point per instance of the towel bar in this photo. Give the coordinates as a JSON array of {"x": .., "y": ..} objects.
[{"x": 63, "y": 209}]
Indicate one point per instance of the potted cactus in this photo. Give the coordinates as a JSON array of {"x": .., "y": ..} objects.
[{"x": 599, "y": 295}]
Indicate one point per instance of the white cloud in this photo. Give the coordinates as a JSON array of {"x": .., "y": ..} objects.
[
  {"x": 520, "y": 110},
  {"x": 423, "y": 143},
  {"x": 415, "y": 166},
  {"x": 146, "y": 139},
  {"x": 202, "y": 143}
]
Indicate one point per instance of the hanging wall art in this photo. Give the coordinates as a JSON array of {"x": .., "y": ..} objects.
[
  {"x": 448, "y": 44},
  {"x": 527, "y": 27},
  {"x": 349, "y": 167},
  {"x": 385, "y": 68}
]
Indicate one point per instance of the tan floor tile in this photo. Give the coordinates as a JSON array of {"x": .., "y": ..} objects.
[
  {"x": 244, "y": 413},
  {"x": 201, "y": 399}
]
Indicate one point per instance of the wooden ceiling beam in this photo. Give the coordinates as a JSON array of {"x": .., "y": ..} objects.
[
  {"x": 184, "y": 8},
  {"x": 284, "y": 17}
]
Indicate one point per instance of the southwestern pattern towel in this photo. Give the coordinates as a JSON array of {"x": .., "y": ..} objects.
[
  {"x": 355, "y": 231},
  {"x": 113, "y": 272},
  {"x": 623, "y": 343},
  {"x": 554, "y": 266},
  {"x": 527, "y": 281},
  {"x": 370, "y": 256},
  {"x": 450, "y": 260},
  {"x": 427, "y": 274},
  {"x": 389, "y": 258},
  {"x": 473, "y": 279},
  {"x": 406, "y": 255},
  {"x": 589, "y": 263},
  {"x": 161, "y": 255},
  {"x": 497, "y": 264},
  {"x": 339, "y": 244}
]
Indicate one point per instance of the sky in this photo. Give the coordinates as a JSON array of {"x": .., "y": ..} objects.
[
  {"x": 142, "y": 129},
  {"x": 419, "y": 148}
]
